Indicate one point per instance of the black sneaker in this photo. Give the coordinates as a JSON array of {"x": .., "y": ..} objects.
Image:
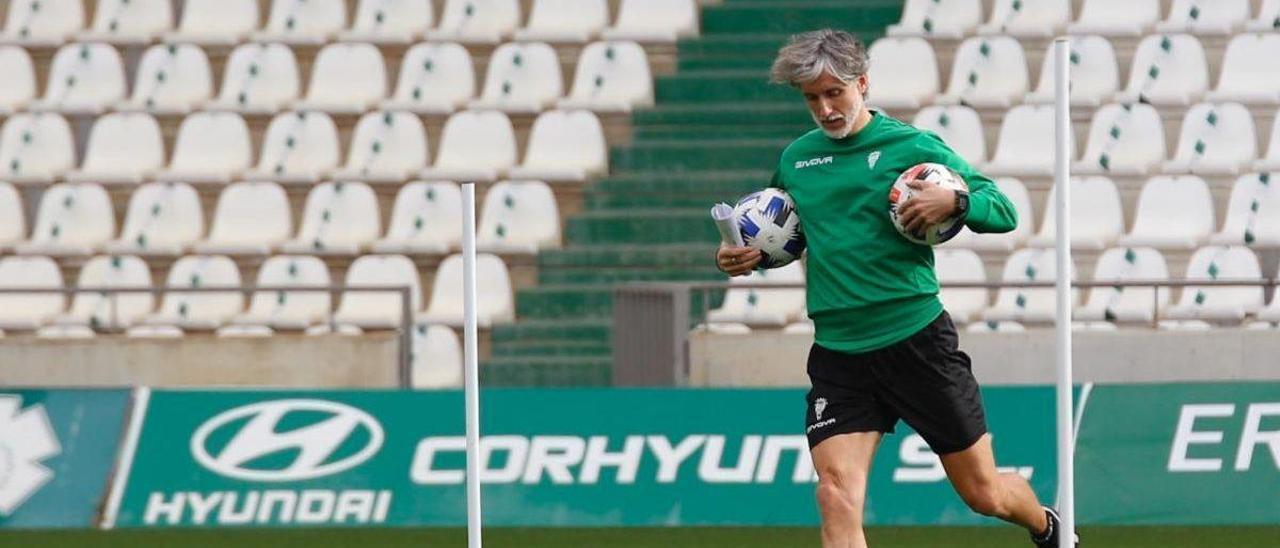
[{"x": 1050, "y": 537}]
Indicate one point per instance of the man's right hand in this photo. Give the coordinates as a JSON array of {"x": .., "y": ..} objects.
[{"x": 737, "y": 261}]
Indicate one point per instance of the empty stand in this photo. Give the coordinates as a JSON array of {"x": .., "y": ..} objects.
[
  {"x": 959, "y": 126},
  {"x": 1028, "y": 18},
  {"x": 36, "y": 147},
  {"x": 1172, "y": 213},
  {"x": 196, "y": 311},
  {"x": 95, "y": 311},
  {"x": 389, "y": 21},
  {"x": 123, "y": 148},
  {"x": 171, "y": 79},
  {"x": 303, "y": 21},
  {"x": 426, "y": 218},
  {"x": 346, "y": 78},
  {"x": 1124, "y": 139},
  {"x": 20, "y": 79},
  {"x": 73, "y": 219},
  {"x": 565, "y": 21},
  {"x": 251, "y": 218},
  {"x": 386, "y": 147},
  {"x": 215, "y": 22},
  {"x": 961, "y": 266},
  {"x": 433, "y": 78},
  {"x": 1129, "y": 303},
  {"x": 1216, "y": 304},
  {"x": 163, "y": 219},
  {"x": 495, "y": 303},
  {"x": 29, "y": 311},
  {"x": 211, "y": 147},
  {"x": 288, "y": 310},
  {"x": 1216, "y": 139},
  {"x": 988, "y": 72},
  {"x": 300, "y": 147},
  {"x": 129, "y": 21},
  {"x": 378, "y": 309},
  {"x": 476, "y": 145},
  {"x": 476, "y": 21},
  {"x": 762, "y": 306},
  {"x": 1095, "y": 76},
  {"x": 1167, "y": 70},
  {"x": 340, "y": 218},
  {"x": 897, "y": 88},
  {"x": 938, "y": 18},
  {"x": 564, "y": 146},
  {"x": 518, "y": 217},
  {"x": 258, "y": 78},
  {"x": 83, "y": 79},
  {"x": 611, "y": 76},
  {"x": 522, "y": 77},
  {"x": 654, "y": 21},
  {"x": 1109, "y": 18}
]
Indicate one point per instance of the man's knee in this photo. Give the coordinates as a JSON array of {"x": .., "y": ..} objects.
[
  {"x": 984, "y": 498},
  {"x": 840, "y": 491}
]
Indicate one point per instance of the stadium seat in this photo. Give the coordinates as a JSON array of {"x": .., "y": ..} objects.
[
  {"x": 171, "y": 79},
  {"x": 1268, "y": 18},
  {"x": 758, "y": 306},
  {"x": 476, "y": 145},
  {"x": 73, "y": 219},
  {"x": 1126, "y": 304},
  {"x": 560, "y": 21},
  {"x": 386, "y": 147},
  {"x": 251, "y": 219},
  {"x": 434, "y": 78},
  {"x": 1167, "y": 70},
  {"x": 378, "y": 309},
  {"x": 215, "y": 22},
  {"x": 1005, "y": 241},
  {"x": 938, "y": 18},
  {"x": 1250, "y": 70},
  {"x": 522, "y": 77},
  {"x": 1253, "y": 212},
  {"x": 476, "y": 21},
  {"x": 1095, "y": 77},
  {"x": 299, "y": 147},
  {"x": 996, "y": 327},
  {"x": 310, "y": 22},
  {"x": 654, "y": 21},
  {"x": 340, "y": 218},
  {"x": 1028, "y": 18},
  {"x": 959, "y": 126},
  {"x": 518, "y": 217},
  {"x": 961, "y": 266},
  {"x": 437, "y": 357},
  {"x": 211, "y": 147},
  {"x": 123, "y": 148},
  {"x": 1216, "y": 139},
  {"x": 36, "y": 147},
  {"x": 13, "y": 224},
  {"x": 1131, "y": 18},
  {"x": 346, "y": 78},
  {"x": 564, "y": 146},
  {"x": 198, "y": 311},
  {"x": 1026, "y": 142},
  {"x": 896, "y": 88},
  {"x": 495, "y": 303},
  {"x": 1097, "y": 217},
  {"x": 91, "y": 309},
  {"x": 1200, "y": 17},
  {"x": 259, "y": 78},
  {"x": 426, "y": 218},
  {"x": 1219, "y": 304},
  {"x": 389, "y": 21},
  {"x": 29, "y": 311},
  {"x": 802, "y": 327},
  {"x": 131, "y": 22},
  {"x": 1271, "y": 161},
  {"x": 611, "y": 76},
  {"x": 988, "y": 72},
  {"x": 19, "y": 88},
  {"x": 1172, "y": 213},
  {"x": 1272, "y": 312},
  {"x": 1029, "y": 304},
  {"x": 163, "y": 219},
  {"x": 83, "y": 79},
  {"x": 288, "y": 310},
  {"x": 1124, "y": 139},
  {"x": 42, "y": 22}
]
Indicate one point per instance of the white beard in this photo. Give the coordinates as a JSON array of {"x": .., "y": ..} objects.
[{"x": 841, "y": 133}]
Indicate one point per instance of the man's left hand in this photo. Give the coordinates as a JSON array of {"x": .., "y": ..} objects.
[{"x": 929, "y": 204}]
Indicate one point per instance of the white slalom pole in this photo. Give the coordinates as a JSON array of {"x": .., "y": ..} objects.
[
  {"x": 471, "y": 372},
  {"x": 1062, "y": 182}
]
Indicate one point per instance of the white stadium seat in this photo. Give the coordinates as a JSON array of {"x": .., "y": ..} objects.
[
  {"x": 129, "y": 21},
  {"x": 259, "y": 78},
  {"x": 378, "y": 309},
  {"x": 1095, "y": 76},
  {"x": 171, "y": 79},
  {"x": 565, "y": 21},
  {"x": 1253, "y": 212},
  {"x": 29, "y": 311},
  {"x": 83, "y": 79},
  {"x": 389, "y": 21},
  {"x": 1028, "y": 18},
  {"x": 961, "y": 266},
  {"x": 203, "y": 310},
  {"x": 1029, "y": 304},
  {"x": 215, "y": 22},
  {"x": 211, "y": 147},
  {"x": 1271, "y": 161},
  {"x": 36, "y": 147},
  {"x": 251, "y": 219},
  {"x": 310, "y": 22},
  {"x": 654, "y": 21},
  {"x": 1216, "y": 139},
  {"x": 110, "y": 310},
  {"x": 1005, "y": 241},
  {"x": 1268, "y": 18},
  {"x": 299, "y": 147},
  {"x": 959, "y": 126},
  {"x": 340, "y": 218},
  {"x": 1201, "y": 17},
  {"x": 476, "y": 145},
  {"x": 476, "y": 21},
  {"x": 1124, "y": 139},
  {"x": 757, "y": 306},
  {"x": 426, "y": 218},
  {"x": 13, "y": 224},
  {"x": 19, "y": 88},
  {"x": 1097, "y": 218},
  {"x": 611, "y": 76},
  {"x": 938, "y": 18},
  {"x": 73, "y": 219},
  {"x": 288, "y": 310},
  {"x": 1026, "y": 142},
  {"x": 42, "y": 22},
  {"x": 386, "y": 147},
  {"x": 163, "y": 219},
  {"x": 1272, "y": 312},
  {"x": 1219, "y": 304},
  {"x": 1110, "y": 18},
  {"x": 897, "y": 88},
  {"x": 495, "y": 303},
  {"x": 564, "y": 146},
  {"x": 123, "y": 148},
  {"x": 988, "y": 72},
  {"x": 518, "y": 217},
  {"x": 522, "y": 77},
  {"x": 437, "y": 357},
  {"x": 433, "y": 78},
  {"x": 1167, "y": 70},
  {"x": 1250, "y": 70},
  {"x": 1172, "y": 213},
  {"x": 1132, "y": 303},
  {"x": 346, "y": 78}
]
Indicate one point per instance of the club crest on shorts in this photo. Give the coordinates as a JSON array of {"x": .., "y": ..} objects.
[{"x": 819, "y": 405}]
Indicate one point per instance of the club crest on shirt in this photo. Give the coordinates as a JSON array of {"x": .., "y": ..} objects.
[{"x": 873, "y": 158}]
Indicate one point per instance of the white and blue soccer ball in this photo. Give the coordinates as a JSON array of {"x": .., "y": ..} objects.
[
  {"x": 767, "y": 221},
  {"x": 937, "y": 174}
]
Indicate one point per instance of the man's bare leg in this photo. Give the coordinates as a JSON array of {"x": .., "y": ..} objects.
[
  {"x": 1006, "y": 496},
  {"x": 843, "y": 463}
]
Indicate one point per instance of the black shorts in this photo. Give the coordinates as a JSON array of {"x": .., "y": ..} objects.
[{"x": 924, "y": 380}]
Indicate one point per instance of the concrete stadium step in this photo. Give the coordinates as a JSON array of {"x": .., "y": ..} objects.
[
  {"x": 717, "y": 86},
  {"x": 643, "y": 226},
  {"x": 773, "y": 17},
  {"x": 666, "y": 182},
  {"x": 612, "y": 256},
  {"x": 567, "y": 330},
  {"x": 585, "y": 301},
  {"x": 552, "y": 348},
  {"x": 725, "y": 116},
  {"x": 644, "y": 134},
  {"x": 695, "y": 197},
  {"x": 547, "y": 371},
  {"x": 699, "y": 156},
  {"x": 630, "y": 275}
]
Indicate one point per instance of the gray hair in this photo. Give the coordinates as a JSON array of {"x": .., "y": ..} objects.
[{"x": 807, "y": 55}]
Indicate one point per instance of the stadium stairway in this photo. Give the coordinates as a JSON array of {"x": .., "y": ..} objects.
[{"x": 713, "y": 135}]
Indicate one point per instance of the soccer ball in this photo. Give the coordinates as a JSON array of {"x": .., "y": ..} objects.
[
  {"x": 937, "y": 174},
  {"x": 767, "y": 221}
]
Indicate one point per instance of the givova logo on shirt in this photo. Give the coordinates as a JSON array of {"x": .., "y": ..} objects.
[{"x": 814, "y": 162}]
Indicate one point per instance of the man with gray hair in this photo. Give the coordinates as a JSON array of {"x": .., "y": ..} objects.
[{"x": 884, "y": 348}]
